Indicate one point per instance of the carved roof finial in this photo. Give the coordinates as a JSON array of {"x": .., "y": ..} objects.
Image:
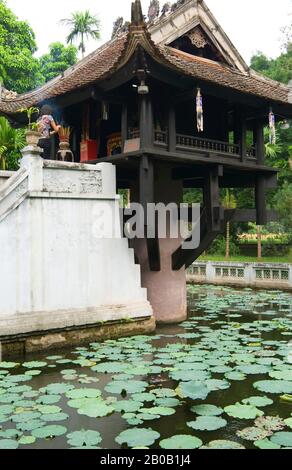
[{"x": 137, "y": 14}]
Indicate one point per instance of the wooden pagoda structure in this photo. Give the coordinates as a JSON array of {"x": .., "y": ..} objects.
[{"x": 132, "y": 103}]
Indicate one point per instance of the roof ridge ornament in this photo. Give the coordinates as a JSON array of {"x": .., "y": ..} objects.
[{"x": 137, "y": 17}]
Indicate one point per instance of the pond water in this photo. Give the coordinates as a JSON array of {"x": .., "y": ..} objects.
[{"x": 234, "y": 354}]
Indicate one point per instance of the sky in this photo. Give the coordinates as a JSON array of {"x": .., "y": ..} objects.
[{"x": 252, "y": 25}]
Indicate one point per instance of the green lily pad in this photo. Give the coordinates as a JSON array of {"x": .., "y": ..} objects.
[
  {"x": 127, "y": 406},
  {"x": 243, "y": 411},
  {"x": 260, "y": 402},
  {"x": 266, "y": 444},
  {"x": 288, "y": 422},
  {"x": 137, "y": 437},
  {"x": 34, "y": 364},
  {"x": 51, "y": 418},
  {"x": 181, "y": 441},
  {"x": 6, "y": 444},
  {"x": 158, "y": 410},
  {"x": 281, "y": 375},
  {"x": 126, "y": 387},
  {"x": 164, "y": 392},
  {"x": 83, "y": 393},
  {"x": 27, "y": 440},
  {"x": 9, "y": 365},
  {"x": 282, "y": 439},
  {"x": 207, "y": 423},
  {"x": 194, "y": 390},
  {"x": 49, "y": 432},
  {"x": 207, "y": 410},
  {"x": 48, "y": 409},
  {"x": 48, "y": 399},
  {"x": 273, "y": 386},
  {"x": 56, "y": 389},
  {"x": 84, "y": 438},
  {"x": 96, "y": 410}
]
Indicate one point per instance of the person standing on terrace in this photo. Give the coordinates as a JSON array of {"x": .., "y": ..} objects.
[{"x": 47, "y": 127}]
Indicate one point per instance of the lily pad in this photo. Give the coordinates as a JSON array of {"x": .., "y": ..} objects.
[
  {"x": 273, "y": 386},
  {"x": 27, "y": 440},
  {"x": 271, "y": 423},
  {"x": 207, "y": 423},
  {"x": 6, "y": 444},
  {"x": 253, "y": 434},
  {"x": 282, "y": 439},
  {"x": 96, "y": 410},
  {"x": 127, "y": 406},
  {"x": 49, "y": 432},
  {"x": 125, "y": 387},
  {"x": 223, "y": 444},
  {"x": 260, "y": 402},
  {"x": 34, "y": 364},
  {"x": 194, "y": 390},
  {"x": 137, "y": 437},
  {"x": 243, "y": 411},
  {"x": 84, "y": 438},
  {"x": 158, "y": 410},
  {"x": 83, "y": 393},
  {"x": 207, "y": 410},
  {"x": 181, "y": 441},
  {"x": 266, "y": 444}
]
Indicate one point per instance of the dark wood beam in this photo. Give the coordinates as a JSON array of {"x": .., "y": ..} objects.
[
  {"x": 171, "y": 129},
  {"x": 259, "y": 141},
  {"x": 124, "y": 125},
  {"x": 146, "y": 197}
]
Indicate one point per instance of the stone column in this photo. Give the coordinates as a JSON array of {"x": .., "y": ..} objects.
[
  {"x": 33, "y": 163},
  {"x": 166, "y": 288}
]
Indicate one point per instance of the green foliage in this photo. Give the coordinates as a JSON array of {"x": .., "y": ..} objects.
[
  {"x": 11, "y": 141},
  {"x": 17, "y": 40},
  {"x": 283, "y": 202},
  {"x": 218, "y": 247},
  {"x": 279, "y": 69},
  {"x": 83, "y": 25},
  {"x": 57, "y": 60}
]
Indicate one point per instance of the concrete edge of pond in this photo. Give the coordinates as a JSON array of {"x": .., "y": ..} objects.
[{"x": 65, "y": 338}]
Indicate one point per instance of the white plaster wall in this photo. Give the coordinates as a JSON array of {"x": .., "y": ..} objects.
[{"x": 52, "y": 255}]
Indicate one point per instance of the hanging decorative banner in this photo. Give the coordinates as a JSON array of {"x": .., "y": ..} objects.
[
  {"x": 104, "y": 111},
  {"x": 200, "y": 112},
  {"x": 272, "y": 127}
]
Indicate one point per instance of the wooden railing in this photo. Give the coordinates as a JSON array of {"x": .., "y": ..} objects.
[
  {"x": 183, "y": 141},
  {"x": 161, "y": 138},
  {"x": 189, "y": 143}
]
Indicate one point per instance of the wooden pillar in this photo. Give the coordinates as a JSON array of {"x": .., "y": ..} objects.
[
  {"x": 260, "y": 199},
  {"x": 171, "y": 129},
  {"x": 240, "y": 132},
  {"x": 146, "y": 197},
  {"x": 212, "y": 198},
  {"x": 146, "y": 122},
  {"x": 259, "y": 140},
  {"x": 124, "y": 125}
]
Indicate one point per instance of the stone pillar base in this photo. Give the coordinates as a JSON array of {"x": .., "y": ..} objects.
[{"x": 167, "y": 291}]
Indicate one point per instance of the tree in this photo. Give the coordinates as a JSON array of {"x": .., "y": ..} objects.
[
  {"x": 279, "y": 69},
  {"x": 58, "y": 59},
  {"x": 19, "y": 70},
  {"x": 11, "y": 142},
  {"x": 229, "y": 202},
  {"x": 283, "y": 204},
  {"x": 83, "y": 25}
]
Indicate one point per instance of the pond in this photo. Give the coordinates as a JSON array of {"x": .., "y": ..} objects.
[{"x": 222, "y": 379}]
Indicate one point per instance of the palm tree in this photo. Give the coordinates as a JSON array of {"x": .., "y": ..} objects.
[
  {"x": 83, "y": 25},
  {"x": 11, "y": 142},
  {"x": 229, "y": 202}
]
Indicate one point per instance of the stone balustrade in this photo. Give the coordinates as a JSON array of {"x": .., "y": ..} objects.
[{"x": 263, "y": 275}]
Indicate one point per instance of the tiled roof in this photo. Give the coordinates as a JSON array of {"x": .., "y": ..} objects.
[
  {"x": 215, "y": 72},
  {"x": 105, "y": 60},
  {"x": 89, "y": 70}
]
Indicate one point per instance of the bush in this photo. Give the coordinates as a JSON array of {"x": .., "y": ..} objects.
[
  {"x": 276, "y": 250},
  {"x": 218, "y": 247}
]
